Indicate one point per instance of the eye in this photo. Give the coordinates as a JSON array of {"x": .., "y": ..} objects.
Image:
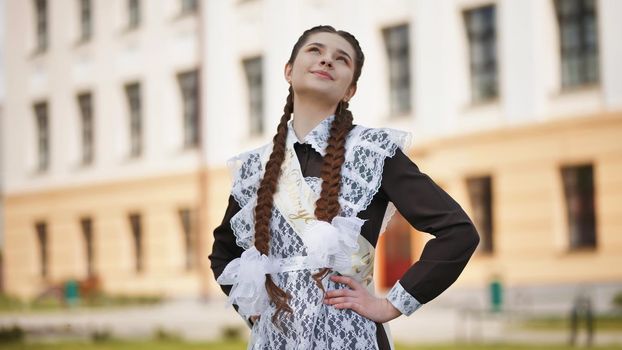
[
  {"x": 343, "y": 58},
  {"x": 315, "y": 49}
]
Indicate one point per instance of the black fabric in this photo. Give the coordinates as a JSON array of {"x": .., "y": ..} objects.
[
  {"x": 426, "y": 206},
  {"x": 381, "y": 337}
]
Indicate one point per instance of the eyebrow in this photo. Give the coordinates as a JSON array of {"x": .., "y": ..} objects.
[{"x": 338, "y": 50}]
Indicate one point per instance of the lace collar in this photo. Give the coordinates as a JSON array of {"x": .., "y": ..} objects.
[{"x": 317, "y": 138}]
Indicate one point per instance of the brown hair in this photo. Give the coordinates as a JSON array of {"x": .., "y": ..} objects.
[{"x": 327, "y": 206}]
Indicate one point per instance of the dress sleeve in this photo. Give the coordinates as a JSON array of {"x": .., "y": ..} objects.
[
  {"x": 224, "y": 249},
  {"x": 428, "y": 209}
]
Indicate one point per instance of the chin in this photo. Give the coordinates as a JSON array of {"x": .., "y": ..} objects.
[{"x": 316, "y": 91}]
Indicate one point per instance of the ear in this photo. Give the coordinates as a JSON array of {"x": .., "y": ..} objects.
[
  {"x": 350, "y": 92},
  {"x": 287, "y": 72}
]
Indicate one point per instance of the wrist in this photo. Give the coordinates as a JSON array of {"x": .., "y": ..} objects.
[{"x": 392, "y": 312}]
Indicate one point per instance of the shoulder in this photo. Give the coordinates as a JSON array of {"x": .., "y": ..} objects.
[
  {"x": 246, "y": 170},
  {"x": 384, "y": 140},
  {"x": 249, "y": 160}
]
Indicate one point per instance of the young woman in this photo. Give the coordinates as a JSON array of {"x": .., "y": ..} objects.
[{"x": 295, "y": 250}]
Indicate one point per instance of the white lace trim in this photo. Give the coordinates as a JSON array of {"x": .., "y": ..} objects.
[
  {"x": 366, "y": 151},
  {"x": 362, "y": 170},
  {"x": 402, "y": 300},
  {"x": 316, "y": 138},
  {"x": 388, "y": 215},
  {"x": 314, "y": 324}
]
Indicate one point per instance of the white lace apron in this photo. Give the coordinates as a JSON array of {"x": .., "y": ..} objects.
[{"x": 300, "y": 245}]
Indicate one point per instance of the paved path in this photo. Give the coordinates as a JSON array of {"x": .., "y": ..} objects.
[{"x": 196, "y": 320}]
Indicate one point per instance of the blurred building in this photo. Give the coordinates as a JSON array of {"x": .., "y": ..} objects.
[
  {"x": 103, "y": 145},
  {"x": 515, "y": 107},
  {"x": 2, "y": 88},
  {"x": 1, "y": 204}
]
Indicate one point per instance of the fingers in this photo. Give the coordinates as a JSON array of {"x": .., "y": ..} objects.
[
  {"x": 350, "y": 282},
  {"x": 349, "y": 305},
  {"x": 340, "y": 300},
  {"x": 340, "y": 293}
]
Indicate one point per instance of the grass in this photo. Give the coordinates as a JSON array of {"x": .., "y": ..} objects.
[
  {"x": 554, "y": 323},
  {"x": 125, "y": 345},
  {"x": 500, "y": 347},
  {"x": 9, "y": 304},
  {"x": 176, "y": 345}
]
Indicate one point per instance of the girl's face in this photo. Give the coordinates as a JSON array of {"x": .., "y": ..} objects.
[{"x": 323, "y": 67}]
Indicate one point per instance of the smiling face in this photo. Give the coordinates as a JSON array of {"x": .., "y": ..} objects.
[{"x": 324, "y": 67}]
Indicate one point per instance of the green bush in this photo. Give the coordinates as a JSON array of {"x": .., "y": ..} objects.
[
  {"x": 10, "y": 303},
  {"x": 46, "y": 303},
  {"x": 101, "y": 336},
  {"x": 617, "y": 301},
  {"x": 162, "y": 334},
  {"x": 53, "y": 302},
  {"x": 12, "y": 334},
  {"x": 231, "y": 333}
]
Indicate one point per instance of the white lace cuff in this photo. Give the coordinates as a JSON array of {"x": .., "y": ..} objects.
[{"x": 402, "y": 300}]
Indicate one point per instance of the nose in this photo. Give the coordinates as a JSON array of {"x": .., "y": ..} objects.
[{"x": 326, "y": 62}]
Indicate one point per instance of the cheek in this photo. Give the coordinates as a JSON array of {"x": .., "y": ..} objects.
[{"x": 300, "y": 68}]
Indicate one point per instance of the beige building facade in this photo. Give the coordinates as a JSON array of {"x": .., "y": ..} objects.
[{"x": 102, "y": 156}]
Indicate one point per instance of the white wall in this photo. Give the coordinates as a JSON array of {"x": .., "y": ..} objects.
[
  {"x": 2, "y": 89},
  {"x": 528, "y": 64},
  {"x": 233, "y": 30},
  {"x": 164, "y": 45}
]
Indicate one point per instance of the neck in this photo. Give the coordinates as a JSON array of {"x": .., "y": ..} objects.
[{"x": 308, "y": 114}]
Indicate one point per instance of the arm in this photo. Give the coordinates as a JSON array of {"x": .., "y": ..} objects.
[
  {"x": 429, "y": 209},
  {"x": 224, "y": 249}
]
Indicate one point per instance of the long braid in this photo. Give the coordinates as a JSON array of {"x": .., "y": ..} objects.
[
  {"x": 265, "y": 202},
  {"x": 327, "y": 206}
]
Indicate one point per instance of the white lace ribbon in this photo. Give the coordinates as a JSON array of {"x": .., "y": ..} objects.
[
  {"x": 328, "y": 245},
  {"x": 333, "y": 244},
  {"x": 247, "y": 274}
]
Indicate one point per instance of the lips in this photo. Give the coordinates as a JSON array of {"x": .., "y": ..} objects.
[{"x": 322, "y": 74}]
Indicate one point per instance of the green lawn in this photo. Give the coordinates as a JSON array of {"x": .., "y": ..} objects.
[
  {"x": 114, "y": 345},
  {"x": 602, "y": 323}
]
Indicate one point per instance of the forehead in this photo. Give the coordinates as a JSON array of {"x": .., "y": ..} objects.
[{"x": 331, "y": 41}]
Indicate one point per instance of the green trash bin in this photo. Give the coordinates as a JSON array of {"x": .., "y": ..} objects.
[
  {"x": 71, "y": 292},
  {"x": 496, "y": 295}
]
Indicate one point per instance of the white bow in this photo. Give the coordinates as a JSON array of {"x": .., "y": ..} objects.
[
  {"x": 247, "y": 274},
  {"x": 333, "y": 244}
]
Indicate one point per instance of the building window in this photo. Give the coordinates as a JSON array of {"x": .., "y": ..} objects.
[
  {"x": 85, "y": 103},
  {"x": 86, "y": 20},
  {"x": 578, "y": 38},
  {"x": 481, "y": 32},
  {"x": 133, "y": 13},
  {"x": 43, "y": 136},
  {"x": 397, "y": 45},
  {"x": 480, "y": 196},
  {"x": 254, "y": 79},
  {"x": 42, "y": 240},
  {"x": 41, "y": 22},
  {"x": 188, "y": 220},
  {"x": 137, "y": 239},
  {"x": 189, "y": 85},
  {"x": 189, "y": 6},
  {"x": 86, "y": 224},
  {"x": 132, "y": 93},
  {"x": 579, "y": 199}
]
